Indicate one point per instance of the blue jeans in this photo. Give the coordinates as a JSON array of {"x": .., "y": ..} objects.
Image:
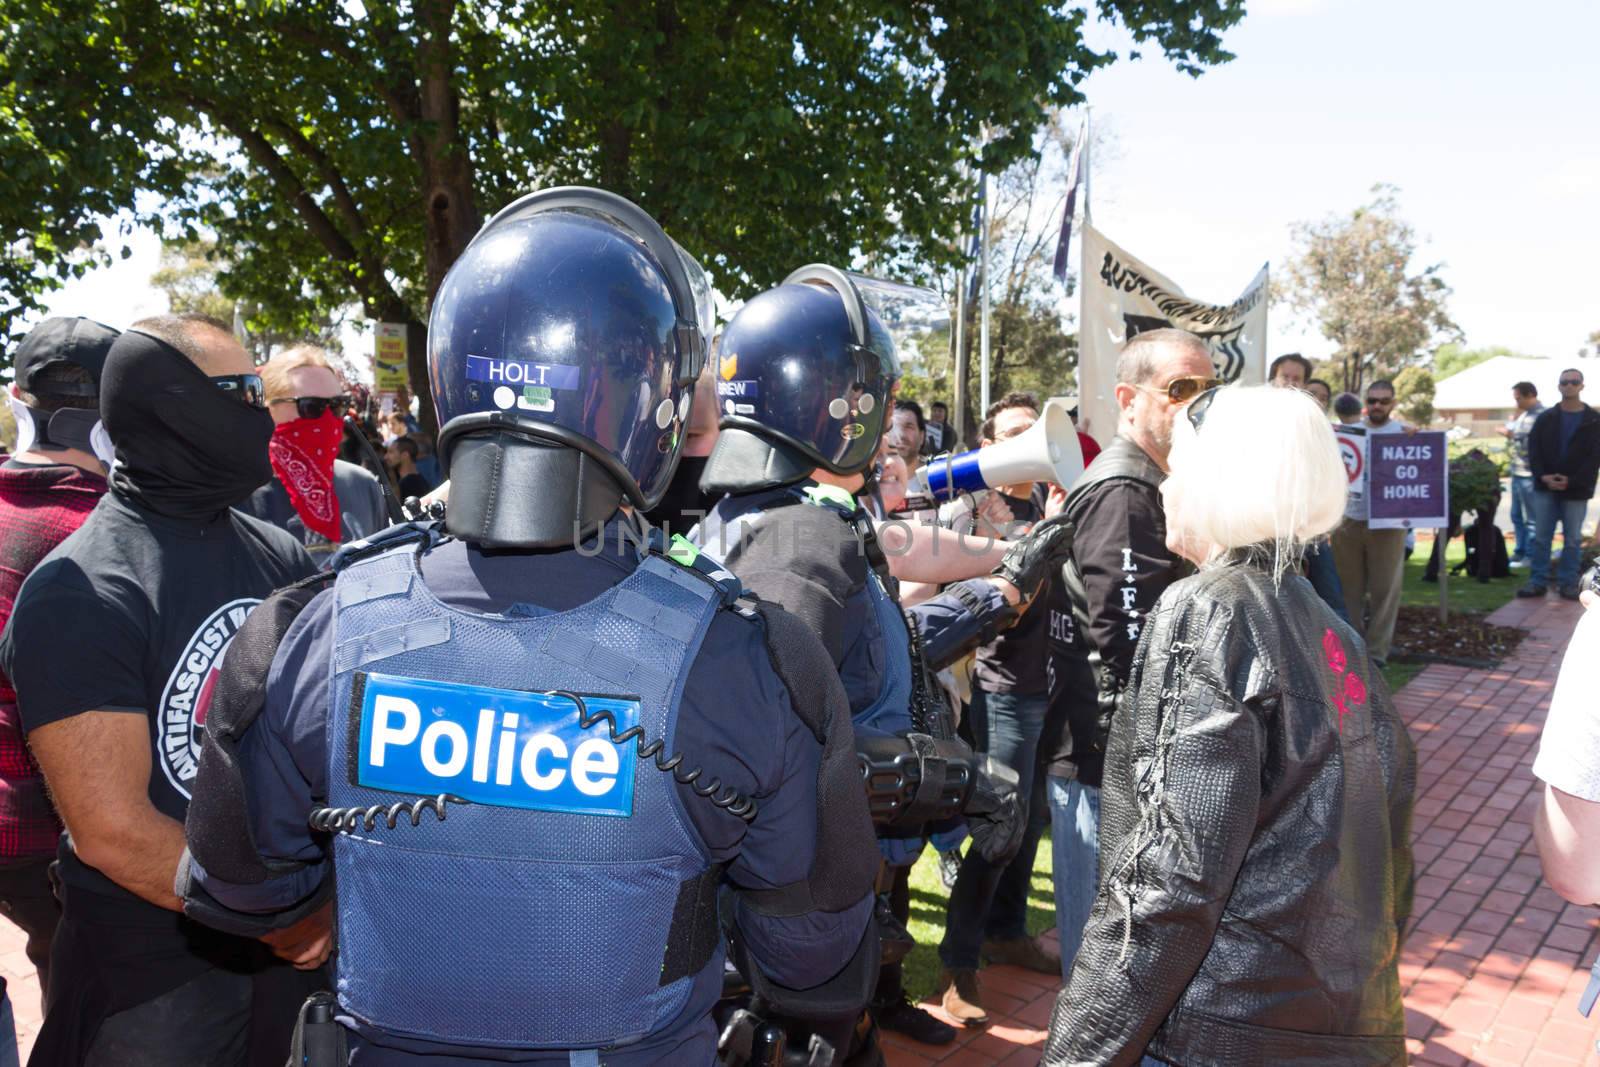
[
  {"x": 989, "y": 901},
  {"x": 1522, "y": 520},
  {"x": 1324, "y": 578},
  {"x": 1075, "y": 857},
  {"x": 1549, "y": 509},
  {"x": 8, "y": 1034}
]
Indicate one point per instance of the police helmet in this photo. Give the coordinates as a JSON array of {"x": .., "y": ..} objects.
[
  {"x": 563, "y": 349},
  {"x": 804, "y": 378}
]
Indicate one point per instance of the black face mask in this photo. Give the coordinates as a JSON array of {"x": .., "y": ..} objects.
[{"x": 185, "y": 448}]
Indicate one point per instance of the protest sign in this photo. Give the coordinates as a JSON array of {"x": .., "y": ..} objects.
[
  {"x": 1123, "y": 298},
  {"x": 1353, "y": 450},
  {"x": 1410, "y": 481},
  {"x": 389, "y": 359}
]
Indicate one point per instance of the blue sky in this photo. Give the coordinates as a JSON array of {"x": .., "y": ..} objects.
[{"x": 1486, "y": 115}]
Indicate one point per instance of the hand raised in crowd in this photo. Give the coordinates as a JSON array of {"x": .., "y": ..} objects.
[
  {"x": 993, "y": 517},
  {"x": 307, "y": 943},
  {"x": 1056, "y": 502}
]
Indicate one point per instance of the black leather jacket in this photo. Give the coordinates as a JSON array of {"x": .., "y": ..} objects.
[{"x": 1255, "y": 872}]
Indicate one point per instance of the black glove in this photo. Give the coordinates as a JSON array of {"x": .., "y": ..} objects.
[
  {"x": 996, "y": 818},
  {"x": 1030, "y": 562}
]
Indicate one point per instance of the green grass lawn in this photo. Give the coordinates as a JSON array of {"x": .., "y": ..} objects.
[
  {"x": 928, "y": 900},
  {"x": 1466, "y": 594}
]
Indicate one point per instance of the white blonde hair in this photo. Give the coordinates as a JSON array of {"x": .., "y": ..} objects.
[{"x": 1263, "y": 471}]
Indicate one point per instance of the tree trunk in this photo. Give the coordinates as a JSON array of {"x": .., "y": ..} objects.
[{"x": 449, "y": 202}]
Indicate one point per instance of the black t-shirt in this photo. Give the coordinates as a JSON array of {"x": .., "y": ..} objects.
[
  {"x": 1014, "y": 662},
  {"x": 414, "y": 485},
  {"x": 132, "y": 613}
]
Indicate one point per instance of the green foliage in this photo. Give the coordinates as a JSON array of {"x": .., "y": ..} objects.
[
  {"x": 188, "y": 275},
  {"x": 1352, "y": 275},
  {"x": 1474, "y": 480},
  {"x": 1413, "y": 392},
  {"x": 345, "y": 153},
  {"x": 1453, "y": 358}
]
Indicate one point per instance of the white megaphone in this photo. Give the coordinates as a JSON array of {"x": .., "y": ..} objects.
[{"x": 1047, "y": 452}]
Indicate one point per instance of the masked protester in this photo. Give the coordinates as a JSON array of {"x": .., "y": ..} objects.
[
  {"x": 47, "y": 489},
  {"x": 317, "y": 497},
  {"x": 113, "y": 648}
]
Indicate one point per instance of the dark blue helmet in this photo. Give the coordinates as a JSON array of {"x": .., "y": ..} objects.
[
  {"x": 563, "y": 348},
  {"x": 804, "y": 379}
]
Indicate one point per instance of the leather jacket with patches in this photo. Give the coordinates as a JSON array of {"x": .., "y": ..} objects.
[{"x": 1255, "y": 873}]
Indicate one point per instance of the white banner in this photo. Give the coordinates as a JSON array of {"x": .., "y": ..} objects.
[{"x": 1122, "y": 297}]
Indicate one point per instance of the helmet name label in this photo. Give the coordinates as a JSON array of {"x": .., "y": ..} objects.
[
  {"x": 745, "y": 389},
  {"x": 505, "y": 747},
  {"x": 513, "y": 372}
]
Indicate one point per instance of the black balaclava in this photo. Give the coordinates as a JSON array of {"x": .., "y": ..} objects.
[{"x": 185, "y": 448}]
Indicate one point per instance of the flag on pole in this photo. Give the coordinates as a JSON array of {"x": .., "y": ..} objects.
[{"x": 1074, "y": 180}]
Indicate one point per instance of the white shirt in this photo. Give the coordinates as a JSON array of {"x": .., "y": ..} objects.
[{"x": 1569, "y": 749}]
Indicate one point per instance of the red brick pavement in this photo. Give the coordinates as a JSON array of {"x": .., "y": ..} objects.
[{"x": 1495, "y": 960}]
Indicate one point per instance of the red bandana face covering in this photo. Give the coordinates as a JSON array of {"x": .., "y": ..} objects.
[{"x": 303, "y": 452}]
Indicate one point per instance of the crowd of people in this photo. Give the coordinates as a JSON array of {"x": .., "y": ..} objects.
[{"x": 548, "y": 781}]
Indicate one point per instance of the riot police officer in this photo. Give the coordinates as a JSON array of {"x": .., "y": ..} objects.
[
  {"x": 533, "y": 749},
  {"x": 805, "y": 376}
]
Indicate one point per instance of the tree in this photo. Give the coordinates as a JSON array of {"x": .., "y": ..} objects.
[
  {"x": 189, "y": 276},
  {"x": 1453, "y": 358},
  {"x": 1413, "y": 394},
  {"x": 1352, "y": 275},
  {"x": 346, "y": 152},
  {"x": 1030, "y": 348}
]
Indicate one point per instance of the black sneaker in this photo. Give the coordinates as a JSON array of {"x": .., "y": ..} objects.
[
  {"x": 904, "y": 1017},
  {"x": 1569, "y": 592},
  {"x": 1531, "y": 590}
]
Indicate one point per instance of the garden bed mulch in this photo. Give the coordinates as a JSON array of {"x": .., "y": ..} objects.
[{"x": 1467, "y": 640}]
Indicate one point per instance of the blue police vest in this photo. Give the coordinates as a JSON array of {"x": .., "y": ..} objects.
[
  {"x": 548, "y": 911},
  {"x": 890, "y": 711}
]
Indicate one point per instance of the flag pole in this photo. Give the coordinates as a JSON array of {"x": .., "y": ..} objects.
[
  {"x": 959, "y": 363},
  {"x": 1088, "y": 159},
  {"x": 983, "y": 331}
]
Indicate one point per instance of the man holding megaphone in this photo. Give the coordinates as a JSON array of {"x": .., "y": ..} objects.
[{"x": 987, "y": 912}]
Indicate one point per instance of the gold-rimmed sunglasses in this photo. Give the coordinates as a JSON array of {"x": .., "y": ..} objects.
[{"x": 1184, "y": 389}]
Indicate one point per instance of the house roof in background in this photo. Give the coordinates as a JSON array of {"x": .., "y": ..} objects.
[{"x": 1487, "y": 386}]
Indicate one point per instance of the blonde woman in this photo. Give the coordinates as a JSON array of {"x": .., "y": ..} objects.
[{"x": 1255, "y": 875}]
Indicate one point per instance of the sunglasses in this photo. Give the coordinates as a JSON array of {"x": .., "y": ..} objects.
[
  {"x": 1573, "y": 381},
  {"x": 1381, "y": 400},
  {"x": 247, "y": 388},
  {"x": 312, "y": 407},
  {"x": 1202, "y": 404},
  {"x": 1182, "y": 390}
]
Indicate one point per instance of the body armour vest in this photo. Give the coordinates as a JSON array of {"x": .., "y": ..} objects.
[
  {"x": 546, "y": 905},
  {"x": 720, "y": 536}
]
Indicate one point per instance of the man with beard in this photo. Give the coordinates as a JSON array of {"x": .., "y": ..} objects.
[
  {"x": 113, "y": 648},
  {"x": 313, "y": 494}
]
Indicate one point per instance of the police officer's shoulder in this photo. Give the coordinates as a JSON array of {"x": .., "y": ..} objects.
[{"x": 801, "y": 662}]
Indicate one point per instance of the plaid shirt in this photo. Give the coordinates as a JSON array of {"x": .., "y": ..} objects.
[{"x": 38, "y": 509}]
